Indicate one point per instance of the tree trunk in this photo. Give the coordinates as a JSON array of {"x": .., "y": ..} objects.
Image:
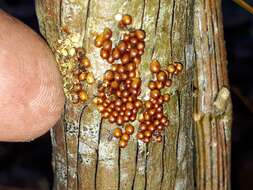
[{"x": 195, "y": 151}]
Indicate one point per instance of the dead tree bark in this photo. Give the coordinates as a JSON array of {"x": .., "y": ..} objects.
[
  {"x": 195, "y": 152},
  {"x": 213, "y": 108}
]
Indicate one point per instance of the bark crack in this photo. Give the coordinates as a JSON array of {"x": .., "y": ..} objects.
[
  {"x": 66, "y": 145},
  {"x": 87, "y": 17},
  {"x": 136, "y": 161},
  {"x": 60, "y": 15},
  {"x": 161, "y": 183},
  {"x": 157, "y": 17},
  {"x": 97, "y": 152},
  {"x": 146, "y": 167},
  {"x": 178, "y": 132},
  {"x": 143, "y": 13},
  {"x": 119, "y": 155},
  {"x": 78, "y": 144},
  {"x": 171, "y": 28}
]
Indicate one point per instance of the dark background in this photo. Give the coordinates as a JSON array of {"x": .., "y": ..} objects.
[{"x": 27, "y": 166}]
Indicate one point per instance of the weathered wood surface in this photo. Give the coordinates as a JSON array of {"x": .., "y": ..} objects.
[
  {"x": 213, "y": 109},
  {"x": 194, "y": 155}
]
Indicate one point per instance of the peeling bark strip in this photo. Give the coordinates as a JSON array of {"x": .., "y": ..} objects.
[{"x": 85, "y": 157}]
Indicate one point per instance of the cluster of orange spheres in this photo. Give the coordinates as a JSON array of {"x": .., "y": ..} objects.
[
  {"x": 123, "y": 136},
  {"x": 128, "y": 50},
  {"x": 81, "y": 74},
  {"x": 152, "y": 120},
  {"x": 117, "y": 98}
]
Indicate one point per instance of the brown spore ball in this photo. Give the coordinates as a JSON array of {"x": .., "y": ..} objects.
[
  {"x": 127, "y": 19},
  {"x": 168, "y": 83},
  {"x": 109, "y": 75},
  {"x": 166, "y": 97},
  {"x": 161, "y": 76},
  {"x": 155, "y": 66},
  {"x": 107, "y": 33},
  {"x": 85, "y": 62},
  {"x": 146, "y": 140},
  {"x": 151, "y": 112},
  {"x": 105, "y": 114},
  {"x": 147, "y": 133},
  {"x": 90, "y": 78},
  {"x": 120, "y": 119},
  {"x": 122, "y": 46},
  {"x": 136, "y": 83},
  {"x": 126, "y": 37},
  {"x": 155, "y": 93},
  {"x": 82, "y": 76},
  {"x": 117, "y": 133},
  {"x": 179, "y": 67},
  {"x": 125, "y": 94},
  {"x": 138, "y": 104},
  {"x": 99, "y": 40},
  {"x": 151, "y": 85},
  {"x": 124, "y": 76},
  {"x": 110, "y": 59},
  {"x": 117, "y": 76},
  {"x": 132, "y": 74},
  {"x": 129, "y": 105},
  {"x": 125, "y": 137},
  {"x": 104, "y": 53},
  {"x": 129, "y": 129},
  {"x": 122, "y": 143},
  {"x": 128, "y": 112},
  {"x": 164, "y": 120},
  {"x": 131, "y": 67},
  {"x": 151, "y": 128},
  {"x": 133, "y": 41},
  {"x": 116, "y": 53},
  {"x": 171, "y": 68},
  {"x": 133, "y": 52},
  {"x": 132, "y": 117},
  {"x": 126, "y": 118},
  {"x": 77, "y": 72},
  {"x": 114, "y": 67},
  {"x": 111, "y": 119},
  {"x": 156, "y": 122},
  {"x": 148, "y": 104},
  {"x": 140, "y": 135},
  {"x": 140, "y": 34},
  {"x": 140, "y": 52},
  {"x": 121, "y": 24},
  {"x": 77, "y": 87},
  {"x": 83, "y": 96},
  {"x": 140, "y": 45},
  {"x": 125, "y": 58},
  {"x": 121, "y": 69},
  {"x": 143, "y": 127},
  {"x": 137, "y": 60},
  {"x": 159, "y": 115},
  {"x": 107, "y": 45},
  {"x": 114, "y": 84},
  {"x": 159, "y": 85}
]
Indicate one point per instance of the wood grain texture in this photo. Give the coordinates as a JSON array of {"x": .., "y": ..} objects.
[
  {"x": 213, "y": 109},
  {"x": 196, "y": 146}
]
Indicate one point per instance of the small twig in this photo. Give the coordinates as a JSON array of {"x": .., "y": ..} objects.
[{"x": 244, "y": 5}]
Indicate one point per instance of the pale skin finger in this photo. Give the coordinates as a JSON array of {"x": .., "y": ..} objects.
[{"x": 31, "y": 90}]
